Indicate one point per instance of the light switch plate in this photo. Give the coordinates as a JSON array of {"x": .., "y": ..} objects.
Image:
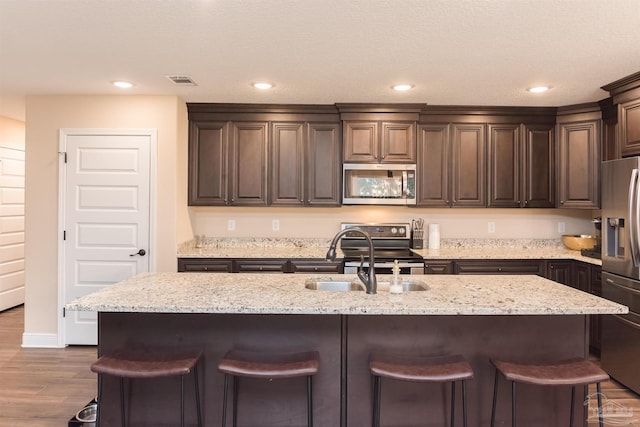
[{"x": 231, "y": 225}]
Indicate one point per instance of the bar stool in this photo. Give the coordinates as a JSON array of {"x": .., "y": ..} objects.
[
  {"x": 240, "y": 363},
  {"x": 420, "y": 369},
  {"x": 143, "y": 363},
  {"x": 573, "y": 372}
]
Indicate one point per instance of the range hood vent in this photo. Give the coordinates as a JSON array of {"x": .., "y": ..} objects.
[{"x": 182, "y": 80}]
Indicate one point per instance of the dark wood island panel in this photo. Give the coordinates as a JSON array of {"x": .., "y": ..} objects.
[{"x": 342, "y": 389}]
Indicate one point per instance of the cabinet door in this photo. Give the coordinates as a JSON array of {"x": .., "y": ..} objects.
[
  {"x": 560, "y": 271},
  {"x": 208, "y": 149},
  {"x": 361, "y": 142},
  {"x": 287, "y": 164},
  {"x": 595, "y": 320},
  {"x": 249, "y": 163},
  {"x": 433, "y": 166},
  {"x": 582, "y": 276},
  {"x": 438, "y": 267},
  {"x": 323, "y": 165},
  {"x": 630, "y": 128},
  {"x": 468, "y": 165},
  {"x": 398, "y": 143},
  {"x": 579, "y": 165},
  {"x": 538, "y": 167},
  {"x": 316, "y": 266},
  {"x": 497, "y": 267},
  {"x": 203, "y": 265},
  {"x": 504, "y": 166}
]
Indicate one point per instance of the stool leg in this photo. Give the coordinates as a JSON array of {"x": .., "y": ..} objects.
[
  {"x": 181, "y": 400},
  {"x": 513, "y": 404},
  {"x": 122, "y": 416},
  {"x": 309, "y": 401},
  {"x": 598, "y": 391},
  {"x": 453, "y": 403},
  {"x": 495, "y": 399},
  {"x": 573, "y": 399},
  {"x": 224, "y": 400},
  {"x": 377, "y": 389},
  {"x": 464, "y": 403},
  {"x": 198, "y": 409},
  {"x": 99, "y": 398},
  {"x": 235, "y": 401}
]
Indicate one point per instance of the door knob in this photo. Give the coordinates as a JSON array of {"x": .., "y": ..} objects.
[{"x": 141, "y": 252}]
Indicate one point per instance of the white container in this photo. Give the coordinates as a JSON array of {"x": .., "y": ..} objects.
[{"x": 434, "y": 236}]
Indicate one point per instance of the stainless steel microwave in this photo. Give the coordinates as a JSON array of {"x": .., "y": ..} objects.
[{"x": 378, "y": 184}]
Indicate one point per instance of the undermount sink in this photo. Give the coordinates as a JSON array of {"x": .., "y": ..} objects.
[
  {"x": 328, "y": 284},
  {"x": 333, "y": 285}
]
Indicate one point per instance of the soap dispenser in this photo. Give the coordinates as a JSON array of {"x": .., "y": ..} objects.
[{"x": 396, "y": 283}]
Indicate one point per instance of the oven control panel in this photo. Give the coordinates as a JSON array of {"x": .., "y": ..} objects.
[{"x": 379, "y": 231}]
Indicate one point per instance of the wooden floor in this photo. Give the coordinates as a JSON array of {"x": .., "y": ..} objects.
[
  {"x": 41, "y": 387},
  {"x": 46, "y": 387}
]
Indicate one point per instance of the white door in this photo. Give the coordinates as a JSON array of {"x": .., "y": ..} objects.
[{"x": 106, "y": 224}]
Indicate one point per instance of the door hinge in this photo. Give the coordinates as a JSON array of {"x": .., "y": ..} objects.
[
  {"x": 64, "y": 235},
  {"x": 65, "y": 155},
  {"x": 64, "y": 312}
]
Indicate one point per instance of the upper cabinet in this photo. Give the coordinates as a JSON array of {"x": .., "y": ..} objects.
[
  {"x": 451, "y": 165},
  {"x": 521, "y": 165},
  {"x": 376, "y": 133},
  {"x": 248, "y": 155},
  {"x": 621, "y": 116},
  {"x": 578, "y": 150}
]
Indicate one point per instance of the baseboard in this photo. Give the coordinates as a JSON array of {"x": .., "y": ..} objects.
[{"x": 40, "y": 341}]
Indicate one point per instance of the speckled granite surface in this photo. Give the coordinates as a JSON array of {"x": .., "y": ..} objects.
[
  {"x": 286, "y": 294},
  {"x": 317, "y": 248}
]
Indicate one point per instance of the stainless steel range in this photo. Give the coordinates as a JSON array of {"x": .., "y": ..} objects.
[{"x": 391, "y": 241}]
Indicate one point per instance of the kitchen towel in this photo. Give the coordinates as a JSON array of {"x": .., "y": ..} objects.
[{"x": 434, "y": 236}]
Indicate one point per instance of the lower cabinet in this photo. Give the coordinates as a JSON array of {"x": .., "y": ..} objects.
[
  {"x": 497, "y": 267},
  {"x": 259, "y": 265}
]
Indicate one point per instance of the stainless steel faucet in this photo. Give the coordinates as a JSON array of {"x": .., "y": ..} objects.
[{"x": 369, "y": 279}]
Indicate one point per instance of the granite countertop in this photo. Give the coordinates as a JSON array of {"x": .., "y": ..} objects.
[
  {"x": 285, "y": 294},
  {"x": 317, "y": 248}
]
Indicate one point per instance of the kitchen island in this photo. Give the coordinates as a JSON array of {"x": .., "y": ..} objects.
[{"x": 479, "y": 317}]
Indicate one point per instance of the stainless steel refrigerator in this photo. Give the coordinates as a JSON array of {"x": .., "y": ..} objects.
[{"x": 620, "y": 346}]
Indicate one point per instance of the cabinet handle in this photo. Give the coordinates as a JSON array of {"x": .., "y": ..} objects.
[{"x": 562, "y": 202}]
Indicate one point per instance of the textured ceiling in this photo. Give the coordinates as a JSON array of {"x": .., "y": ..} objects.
[{"x": 319, "y": 51}]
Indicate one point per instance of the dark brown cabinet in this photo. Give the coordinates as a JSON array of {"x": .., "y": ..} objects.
[
  {"x": 629, "y": 113},
  {"x": 259, "y": 265},
  {"x": 505, "y": 266},
  {"x": 438, "y": 267},
  {"x": 205, "y": 265},
  {"x": 315, "y": 266},
  {"x": 579, "y": 161},
  {"x": 305, "y": 164},
  {"x": 379, "y": 142},
  {"x": 452, "y": 165},
  {"x": 595, "y": 320},
  {"x": 560, "y": 271},
  {"x": 521, "y": 163},
  {"x": 264, "y": 155}
]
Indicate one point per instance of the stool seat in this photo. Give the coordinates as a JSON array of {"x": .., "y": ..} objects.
[
  {"x": 431, "y": 369},
  {"x": 566, "y": 372},
  {"x": 140, "y": 362},
  {"x": 144, "y": 363},
  {"x": 252, "y": 364},
  {"x": 266, "y": 365}
]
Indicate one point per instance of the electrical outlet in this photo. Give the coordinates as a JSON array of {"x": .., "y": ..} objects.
[
  {"x": 231, "y": 224},
  {"x": 275, "y": 225},
  {"x": 561, "y": 227},
  {"x": 491, "y": 227}
]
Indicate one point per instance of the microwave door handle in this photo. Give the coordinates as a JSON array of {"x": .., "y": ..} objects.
[
  {"x": 634, "y": 218},
  {"x": 405, "y": 186}
]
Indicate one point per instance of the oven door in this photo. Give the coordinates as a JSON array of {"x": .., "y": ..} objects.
[{"x": 351, "y": 267}]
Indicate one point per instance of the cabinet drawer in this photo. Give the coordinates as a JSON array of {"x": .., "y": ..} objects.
[
  {"x": 438, "y": 267},
  {"x": 261, "y": 266},
  {"x": 316, "y": 266},
  {"x": 204, "y": 265},
  {"x": 498, "y": 267}
]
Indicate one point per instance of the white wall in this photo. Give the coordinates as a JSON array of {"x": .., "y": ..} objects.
[
  {"x": 45, "y": 116},
  {"x": 454, "y": 223}
]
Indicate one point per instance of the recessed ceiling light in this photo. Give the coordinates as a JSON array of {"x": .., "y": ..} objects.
[
  {"x": 123, "y": 84},
  {"x": 262, "y": 85},
  {"x": 402, "y": 87},
  {"x": 538, "y": 89}
]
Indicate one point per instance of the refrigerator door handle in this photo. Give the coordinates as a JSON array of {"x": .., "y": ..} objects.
[
  {"x": 634, "y": 219},
  {"x": 625, "y": 288},
  {"x": 628, "y": 322}
]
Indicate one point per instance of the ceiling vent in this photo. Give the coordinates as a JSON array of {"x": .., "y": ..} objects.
[{"x": 182, "y": 80}]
